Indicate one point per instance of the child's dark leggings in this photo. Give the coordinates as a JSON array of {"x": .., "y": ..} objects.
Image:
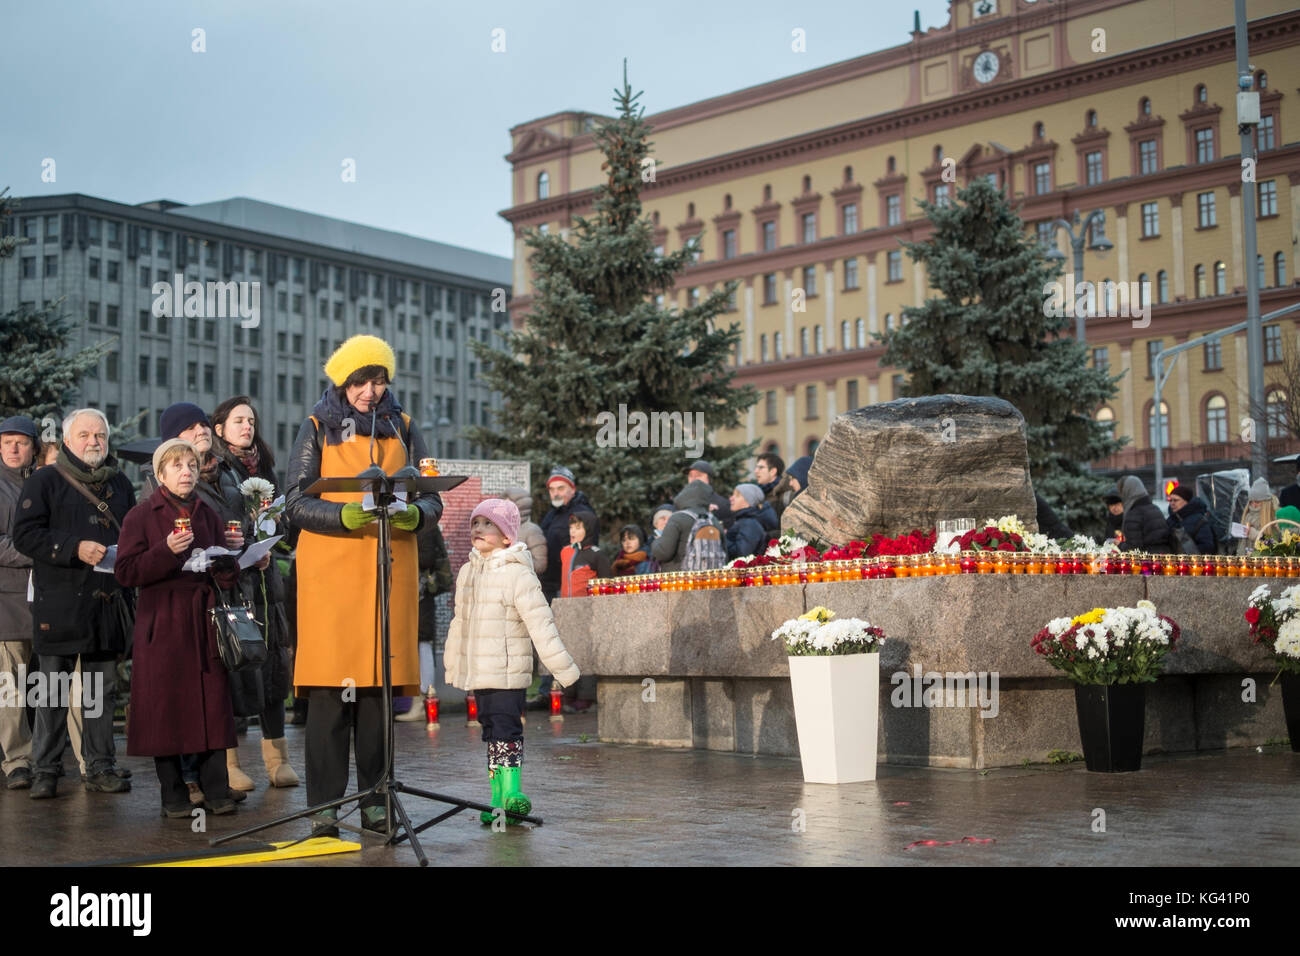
[{"x": 499, "y": 712}]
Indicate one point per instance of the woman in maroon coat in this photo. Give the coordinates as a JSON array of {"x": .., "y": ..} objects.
[{"x": 180, "y": 698}]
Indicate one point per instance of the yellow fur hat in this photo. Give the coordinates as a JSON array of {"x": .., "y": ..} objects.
[{"x": 358, "y": 352}]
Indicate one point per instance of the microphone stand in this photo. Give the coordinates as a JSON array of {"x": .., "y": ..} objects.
[{"x": 384, "y": 487}]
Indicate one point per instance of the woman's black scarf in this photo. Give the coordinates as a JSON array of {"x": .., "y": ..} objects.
[{"x": 332, "y": 412}]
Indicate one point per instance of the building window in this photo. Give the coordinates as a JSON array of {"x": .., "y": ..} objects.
[
  {"x": 1265, "y": 134},
  {"x": 52, "y": 266},
  {"x": 1216, "y": 419},
  {"x": 1205, "y": 145},
  {"x": 1164, "y": 426},
  {"x": 809, "y": 220},
  {"x": 209, "y": 378},
  {"x": 850, "y": 218},
  {"x": 1148, "y": 157},
  {"x": 942, "y": 192},
  {"x": 1213, "y": 355},
  {"x": 729, "y": 244},
  {"x": 1042, "y": 178},
  {"x": 92, "y": 267},
  {"x": 1106, "y": 418},
  {"x": 762, "y": 348},
  {"x": 1272, "y": 343},
  {"x": 1268, "y": 198},
  {"x": 851, "y": 273},
  {"x": 1279, "y": 269},
  {"x": 819, "y": 344},
  {"x": 144, "y": 320},
  {"x": 895, "y": 260},
  {"x": 846, "y": 340},
  {"x": 162, "y": 372},
  {"x": 803, "y": 340},
  {"x": 851, "y": 394},
  {"x": 1045, "y": 232},
  {"x": 92, "y": 313},
  {"x": 889, "y": 322},
  {"x": 893, "y": 210},
  {"x": 769, "y": 236},
  {"x": 1205, "y": 214},
  {"x": 1094, "y": 168},
  {"x": 896, "y": 383},
  {"x": 1162, "y": 286},
  {"x": 1259, "y": 272},
  {"x": 860, "y": 333},
  {"x": 1220, "y": 279},
  {"x": 810, "y": 401},
  {"x": 111, "y": 366},
  {"x": 111, "y": 313},
  {"x": 1199, "y": 282},
  {"x": 769, "y": 408},
  {"x": 1150, "y": 219},
  {"x": 1153, "y": 349},
  {"x": 777, "y": 351},
  {"x": 810, "y": 280},
  {"x": 1101, "y": 358},
  {"x": 1275, "y": 413},
  {"x": 29, "y": 267},
  {"x": 769, "y": 289}
]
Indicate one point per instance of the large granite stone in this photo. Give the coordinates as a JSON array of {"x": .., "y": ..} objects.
[
  {"x": 627, "y": 714},
  {"x": 1210, "y": 612},
  {"x": 905, "y": 464}
]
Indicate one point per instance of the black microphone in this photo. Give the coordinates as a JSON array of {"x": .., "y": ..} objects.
[{"x": 373, "y": 410}]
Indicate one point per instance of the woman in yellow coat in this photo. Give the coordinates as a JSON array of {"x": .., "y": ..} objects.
[{"x": 338, "y": 666}]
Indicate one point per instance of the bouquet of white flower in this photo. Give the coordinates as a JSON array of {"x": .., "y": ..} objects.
[{"x": 817, "y": 634}]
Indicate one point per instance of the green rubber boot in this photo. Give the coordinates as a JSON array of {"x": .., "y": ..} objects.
[
  {"x": 512, "y": 798},
  {"x": 494, "y": 774}
]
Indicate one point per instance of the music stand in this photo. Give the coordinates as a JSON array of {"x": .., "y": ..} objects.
[{"x": 384, "y": 487}]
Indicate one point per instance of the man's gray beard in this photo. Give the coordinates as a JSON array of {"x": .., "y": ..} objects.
[
  {"x": 557, "y": 502},
  {"x": 94, "y": 460}
]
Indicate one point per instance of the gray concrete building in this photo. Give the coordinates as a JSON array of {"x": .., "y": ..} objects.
[{"x": 318, "y": 279}]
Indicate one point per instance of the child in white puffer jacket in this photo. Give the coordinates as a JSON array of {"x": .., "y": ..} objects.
[{"x": 500, "y": 616}]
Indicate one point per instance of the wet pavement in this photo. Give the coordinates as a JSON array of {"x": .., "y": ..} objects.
[{"x": 606, "y": 804}]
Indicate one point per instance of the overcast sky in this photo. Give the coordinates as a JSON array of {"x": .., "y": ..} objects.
[{"x": 412, "y": 91}]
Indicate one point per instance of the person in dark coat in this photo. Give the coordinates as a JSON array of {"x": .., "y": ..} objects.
[
  {"x": 692, "y": 502},
  {"x": 769, "y": 519},
  {"x": 18, "y": 447},
  {"x": 1048, "y": 523},
  {"x": 1114, "y": 514},
  {"x": 1144, "y": 526},
  {"x": 797, "y": 476},
  {"x": 1290, "y": 495},
  {"x": 658, "y": 518},
  {"x": 703, "y": 471},
  {"x": 242, "y": 454},
  {"x": 769, "y": 475},
  {"x": 435, "y": 579},
  {"x": 1191, "y": 515},
  {"x": 180, "y": 701},
  {"x": 79, "y": 612},
  {"x": 747, "y": 534},
  {"x": 565, "y": 499}
]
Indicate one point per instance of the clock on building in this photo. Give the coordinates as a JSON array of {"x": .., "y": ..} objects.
[
  {"x": 984, "y": 7},
  {"x": 986, "y": 66}
]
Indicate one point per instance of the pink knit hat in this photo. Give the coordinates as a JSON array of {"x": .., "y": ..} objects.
[{"x": 504, "y": 514}]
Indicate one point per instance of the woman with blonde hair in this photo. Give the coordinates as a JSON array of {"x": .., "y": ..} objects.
[{"x": 1261, "y": 508}]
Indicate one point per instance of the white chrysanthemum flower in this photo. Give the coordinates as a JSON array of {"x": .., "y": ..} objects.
[
  {"x": 258, "y": 488},
  {"x": 1145, "y": 605},
  {"x": 1259, "y": 594}
]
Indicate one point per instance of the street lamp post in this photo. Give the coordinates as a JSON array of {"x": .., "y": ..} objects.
[{"x": 1079, "y": 242}]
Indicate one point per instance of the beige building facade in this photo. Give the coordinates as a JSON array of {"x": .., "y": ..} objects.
[{"x": 802, "y": 189}]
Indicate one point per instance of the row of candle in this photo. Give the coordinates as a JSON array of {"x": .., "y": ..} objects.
[{"x": 968, "y": 562}]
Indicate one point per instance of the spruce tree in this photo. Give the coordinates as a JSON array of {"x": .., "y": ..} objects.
[
  {"x": 595, "y": 339},
  {"x": 989, "y": 333},
  {"x": 37, "y": 378}
]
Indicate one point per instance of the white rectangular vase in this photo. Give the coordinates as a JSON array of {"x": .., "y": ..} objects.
[{"x": 837, "y": 711}]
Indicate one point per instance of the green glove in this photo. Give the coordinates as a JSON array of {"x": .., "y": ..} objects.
[
  {"x": 354, "y": 516},
  {"x": 407, "y": 520}
]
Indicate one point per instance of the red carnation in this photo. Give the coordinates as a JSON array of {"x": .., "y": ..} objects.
[{"x": 1252, "y": 615}]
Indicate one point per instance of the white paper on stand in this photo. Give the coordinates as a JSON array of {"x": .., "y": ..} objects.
[
  {"x": 1239, "y": 530},
  {"x": 396, "y": 508},
  {"x": 108, "y": 560},
  {"x": 257, "y": 550}
]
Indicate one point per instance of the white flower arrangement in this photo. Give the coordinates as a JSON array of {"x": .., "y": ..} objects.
[
  {"x": 1287, "y": 644},
  {"x": 817, "y": 634},
  {"x": 786, "y": 544},
  {"x": 257, "y": 488}
]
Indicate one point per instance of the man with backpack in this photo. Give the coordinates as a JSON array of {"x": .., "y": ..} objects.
[
  {"x": 682, "y": 546},
  {"x": 1189, "y": 520}
]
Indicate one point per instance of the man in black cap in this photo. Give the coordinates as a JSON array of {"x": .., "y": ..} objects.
[
  {"x": 18, "y": 446},
  {"x": 703, "y": 471}
]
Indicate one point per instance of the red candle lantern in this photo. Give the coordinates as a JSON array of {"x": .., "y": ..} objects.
[
  {"x": 431, "y": 709},
  {"x": 557, "y": 703},
  {"x": 471, "y": 706}
]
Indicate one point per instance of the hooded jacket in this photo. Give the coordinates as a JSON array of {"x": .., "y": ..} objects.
[
  {"x": 587, "y": 555},
  {"x": 627, "y": 563},
  {"x": 798, "y": 470},
  {"x": 501, "y": 615},
  {"x": 1144, "y": 526},
  {"x": 747, "y": 534},
  {"x": 692, "y": 502},
  {"x": 530, "y": 533},
  {"x": 1194, "y": 518}
]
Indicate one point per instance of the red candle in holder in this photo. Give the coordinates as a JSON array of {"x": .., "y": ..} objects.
[{"x": 471, "y": 708}]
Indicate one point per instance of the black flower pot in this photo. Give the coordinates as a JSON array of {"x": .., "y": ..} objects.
[
  {"x": 1111, "y": 721},
  {"x": 1291, "y": 707}
]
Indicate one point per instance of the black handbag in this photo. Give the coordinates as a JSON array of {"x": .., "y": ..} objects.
[{"x": 239, "y": 637}]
